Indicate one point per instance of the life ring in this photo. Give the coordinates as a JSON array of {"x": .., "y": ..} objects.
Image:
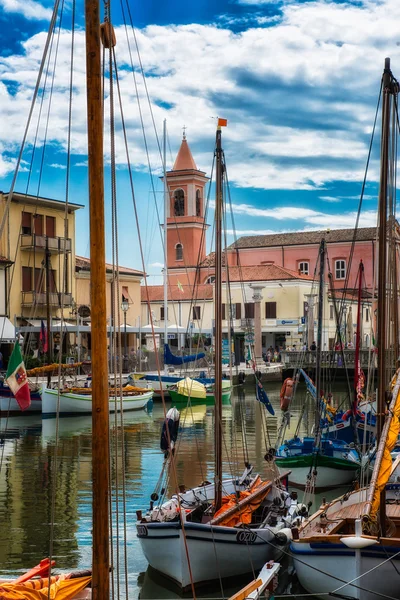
[
  {"x": 286, "y": 393},
  {"x": 346, "y": 416}
]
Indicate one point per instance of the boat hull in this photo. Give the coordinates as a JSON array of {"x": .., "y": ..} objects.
[
  {"x": 80, "y": 404},
  {"x": 209, "y": 399},
  {"x": 331, "y": 472},
  {"x": 10, "y": 405},
  {"x": 213, "y": 552},
  {"x": 337, "y": 564}
]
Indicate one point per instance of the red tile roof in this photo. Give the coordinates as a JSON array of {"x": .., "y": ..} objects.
[
  {"x": 184, "y": 160},
  {"x": 156, "y": 292},
  {"x": 263, "y": 273},
  {"x": 83, "y": 264},
  {"x": 296, "y": 238}
]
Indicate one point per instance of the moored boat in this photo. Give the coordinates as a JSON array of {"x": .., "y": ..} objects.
[
  {"x": 79, "y": 400},
  {"x": 198, "y": 393}
]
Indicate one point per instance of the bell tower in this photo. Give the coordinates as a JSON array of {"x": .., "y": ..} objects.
[{"x": 186, "y": 228}]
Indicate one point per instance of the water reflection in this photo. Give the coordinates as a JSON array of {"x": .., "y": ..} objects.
[{"x": 28, "y": 452}]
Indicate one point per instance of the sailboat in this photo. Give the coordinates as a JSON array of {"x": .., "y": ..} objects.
[
  {"x": 351, "y": 546},
  {"x": 318, "y": 462},
  {"x": 221, "y": 529}
]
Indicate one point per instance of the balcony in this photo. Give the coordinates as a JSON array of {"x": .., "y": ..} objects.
[
  {"x": 39, "y": 299},
  {"x": 56, "y": 245},
  {"x": 247, "y": 323}
]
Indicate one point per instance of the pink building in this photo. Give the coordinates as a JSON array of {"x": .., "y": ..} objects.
[{"x": 299, "y": 252}]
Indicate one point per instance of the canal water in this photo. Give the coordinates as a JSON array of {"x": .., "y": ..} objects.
[{"x": 42, "y": 482}]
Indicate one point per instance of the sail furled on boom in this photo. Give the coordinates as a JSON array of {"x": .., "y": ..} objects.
[{"x": 171, "y": 359}]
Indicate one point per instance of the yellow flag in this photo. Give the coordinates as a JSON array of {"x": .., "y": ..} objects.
[{"x": 180, "y": 286}]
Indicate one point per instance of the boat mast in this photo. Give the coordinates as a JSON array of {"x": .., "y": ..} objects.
[
  {"x": 218, "y": 321},
  {"x": 48, "y": 315},
  {"x": 318, "y": 358},
  {"x": 165, "y": 240},
  {"x": 357, "y": 367},
  {"x": 382, "y": 266},
  {"x": 100, "y": 413}
]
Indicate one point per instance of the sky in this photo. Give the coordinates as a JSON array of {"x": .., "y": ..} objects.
[{"x": 298, "y": 82}]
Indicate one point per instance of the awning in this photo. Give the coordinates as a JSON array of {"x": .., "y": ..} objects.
[{"x": 7, "y": 331}]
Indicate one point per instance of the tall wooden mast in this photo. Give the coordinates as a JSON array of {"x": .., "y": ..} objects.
[
  {"x": 318, "y": 358},
  {"x": 100, "y": 414},
  {"x": 382, "y": 260},
  {"x": 218, "y": 320}
]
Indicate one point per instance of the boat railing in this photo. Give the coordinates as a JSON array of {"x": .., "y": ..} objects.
[{"x": 329, "y": 358}]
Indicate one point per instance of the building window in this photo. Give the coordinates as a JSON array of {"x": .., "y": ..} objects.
[
  {"x": 304, "y": 268},
  {"x": 50, "y": 226},
  {"x": 179, "y": 252},
  {"x": 39, "y": 280},
  {"x": 235, "y": 311},
  {"x": 367, "y": 314},
  {"x": 179, "y": 203},
  {"x": 26, "y": 279},
  {"x": 162, "y": 313},
  {"x": 196, "y": 313},
  {"x": 198, "y": 204},
  {"x": 52, "y": 281},
  {"x": 331, "y": 316},
  {"x": 210, "y": 279},
  {"x": 38, "y": 224},
  {"x": 223, "y": 311},
  {"x": 249, "y": 310},
  {"x": 26, "y": 225},
  {"x": 270, "y": 310},
  {"x": 340, "y": 269}
]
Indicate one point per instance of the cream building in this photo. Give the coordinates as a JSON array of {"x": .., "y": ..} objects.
[
  {"x": 36, "y": 228},
  {"x": 285, "y": 298},
  {"x": 129, "y": 293}
]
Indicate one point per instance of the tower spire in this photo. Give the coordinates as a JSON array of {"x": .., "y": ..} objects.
[{"x": 184, "y": 160}]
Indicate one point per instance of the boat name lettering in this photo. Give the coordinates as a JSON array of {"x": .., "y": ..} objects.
[
  {"x": 246, "y": 537},
  {"x": 141, "y": 530}
]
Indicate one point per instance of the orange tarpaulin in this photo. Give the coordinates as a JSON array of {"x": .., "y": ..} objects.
[
  {"x": 61, "y": 589},
  {"x": 243, "y": 514}
]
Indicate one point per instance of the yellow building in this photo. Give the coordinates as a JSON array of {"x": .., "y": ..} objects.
[
  {"x": 128, "y": 293},
  {"x": 41, "y": 244}
]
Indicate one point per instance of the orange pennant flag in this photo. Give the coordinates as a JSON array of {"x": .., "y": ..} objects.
[{"x": 222, "y": 122}]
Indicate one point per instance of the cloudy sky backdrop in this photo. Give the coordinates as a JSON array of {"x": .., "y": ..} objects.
[{"x": 297, "y": 81}]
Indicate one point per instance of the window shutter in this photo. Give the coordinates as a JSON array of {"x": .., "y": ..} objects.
[
  {"x": 38, "y": 221},
  {"x": 26, "y": 279},
  {"x": 50, "y": 226},
  {"x": 249, "y": 310},
  {"x": 270, "y": 310},
  {"x": 238, "y": 310},
  {"x": 223, "y": 312}
]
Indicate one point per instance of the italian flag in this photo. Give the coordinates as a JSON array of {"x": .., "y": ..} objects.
[{"x": 17, "y": 380}]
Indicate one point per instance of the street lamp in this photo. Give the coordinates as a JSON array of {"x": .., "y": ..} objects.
[{"x": 124, "y": 308}]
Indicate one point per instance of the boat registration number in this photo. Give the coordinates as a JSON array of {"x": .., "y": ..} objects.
[
  {"x": 246, "y": 537},
  {"x": 141, "y": 530}
]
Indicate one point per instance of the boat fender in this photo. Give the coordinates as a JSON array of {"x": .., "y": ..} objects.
[
  {"x": 284, "y": 536},
  {"x": 286, "y": 393}
]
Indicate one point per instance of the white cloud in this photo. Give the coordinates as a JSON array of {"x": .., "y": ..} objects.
[
  {"x": 58, "y": 166},
  {"x": 28, "y": 8},
  {"x": 332, "y": 199},
  {"x": 157, "y": 265},
  {"x": 299, "y": 121},
  {"x": 306, "y": 215}
]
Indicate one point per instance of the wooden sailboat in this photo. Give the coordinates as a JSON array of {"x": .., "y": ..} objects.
[
  {"x": 351, "y": 546},
  {"x": 221, "y": 529},
  {"x": 318, "y": 462}
]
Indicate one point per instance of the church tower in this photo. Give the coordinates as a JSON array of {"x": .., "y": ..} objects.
[{"x": 186, "y": 228}]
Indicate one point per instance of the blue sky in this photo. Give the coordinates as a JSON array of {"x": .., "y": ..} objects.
[{"x": 298, "y": 82}]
